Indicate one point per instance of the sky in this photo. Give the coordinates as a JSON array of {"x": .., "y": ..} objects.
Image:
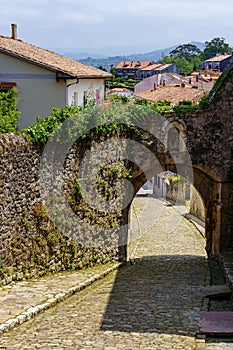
[{"x": 113, "y": 27}]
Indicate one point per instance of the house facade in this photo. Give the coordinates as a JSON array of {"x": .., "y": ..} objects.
[
  {"x": 152, "y": 82},
  {"x": 157, "y": 68},
  {"x": 217, "y": 63},
  {"x": 129, "y": 69},
  {"x": 141, "y": 70},
  {"x": 46, "y": 79}
]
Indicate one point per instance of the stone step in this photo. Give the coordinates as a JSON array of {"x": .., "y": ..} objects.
[
  {"x": 217, "y": 291},
  {"x": 217, "y": 323}
]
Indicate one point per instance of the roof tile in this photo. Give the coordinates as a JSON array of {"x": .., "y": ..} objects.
[
  {"x": 6, "y": 85},
  {"x": 133, "y": 64},
  {"x": 172, "y": 93},
  {"x": 217, "y": 58},
  {"x": 48, "y": 59}
]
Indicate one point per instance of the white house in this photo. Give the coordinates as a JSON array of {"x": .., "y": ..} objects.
[
  {"x": 217, "y": 63},
  {"x": 119, "y": 92},
  {"x": 46, "y": 79}
]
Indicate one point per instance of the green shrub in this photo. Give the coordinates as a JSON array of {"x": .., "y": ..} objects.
[
  {"x": 204, "y": 101},
  {"x": 184, "y": 106},
  {"x": 142, "y": 102},
  {"x": 82, "y": 121},
  {"x": 162, "y": 106},
  {"x": 120, "y": 98},
  {"x": 44, "y": 127},
  {"x": 9, "y": 115}
]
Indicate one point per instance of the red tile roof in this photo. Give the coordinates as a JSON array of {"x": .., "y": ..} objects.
[
  {"x": 172, "y": 93},
  {"x": 152, "y": 66},
  {"x": 157, "y": 66},
  {"x": 48, "y": 59},
  {"x": 5, "y": 85},
  {"x": 133, "y": 64},
  {"x": 164, "y": 66}
]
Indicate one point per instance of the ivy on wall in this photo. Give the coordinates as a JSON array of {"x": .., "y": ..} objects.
[{"x": 9, "y": 115}]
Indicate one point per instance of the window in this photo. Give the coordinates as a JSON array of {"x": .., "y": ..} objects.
[
  {"x": 75, "y": 98},
  {"x": 85, "y": 98}
]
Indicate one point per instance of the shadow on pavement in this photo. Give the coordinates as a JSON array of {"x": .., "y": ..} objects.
[{"x": 160, "y": 294}]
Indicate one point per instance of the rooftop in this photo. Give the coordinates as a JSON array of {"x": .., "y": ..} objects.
[
  {"x": 217, "y": 58},
  {"x": 48, "y": 59},
  {"x": 164, "y": 66},
  {"x": 172, "y": 93},
  {"x": 133, "y": 64},
  {"x": 6, "y": 85},
  {"x": 152, "y": 66}
]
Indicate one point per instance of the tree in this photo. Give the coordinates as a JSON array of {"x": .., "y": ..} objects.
[
  {"x": 215, "y": 46},
  {"x": 102, "y": 68},
  {"x": 197, "y": 63},
  {"x": 186, "y": 67},
  {"x": 187, "y": 51}
]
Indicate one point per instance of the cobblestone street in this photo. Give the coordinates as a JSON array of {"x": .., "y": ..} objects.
[{"x": 155, "y": 302}]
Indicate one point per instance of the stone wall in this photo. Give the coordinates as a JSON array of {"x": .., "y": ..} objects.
[
  {"x": 30, "y": 243},
  {"x": 196, "y": 205},
  {"x": 176, "y": 193}
]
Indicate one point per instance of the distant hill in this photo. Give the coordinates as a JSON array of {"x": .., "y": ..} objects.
[
  {"x": 84, "y": 55},
  {"x": 107, "y": 62}
]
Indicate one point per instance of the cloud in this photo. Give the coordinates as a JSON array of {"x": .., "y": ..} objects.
[{"x": 130, "y": 25}]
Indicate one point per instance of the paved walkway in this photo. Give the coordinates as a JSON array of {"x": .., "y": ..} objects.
[{"x": 154, "y": 302}]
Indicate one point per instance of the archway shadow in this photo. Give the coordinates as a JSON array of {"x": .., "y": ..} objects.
[{"x": 158, "y": 294}]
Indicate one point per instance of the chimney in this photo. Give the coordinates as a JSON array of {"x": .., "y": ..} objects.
[{"x": 14, "y": 31}]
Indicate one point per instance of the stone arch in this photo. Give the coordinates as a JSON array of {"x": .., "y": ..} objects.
[{"x": 208, "y": 186}]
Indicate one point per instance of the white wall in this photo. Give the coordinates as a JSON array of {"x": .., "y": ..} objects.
[
  {"x": 38, "y": 89},
  {"x": 76, "y": 91}
]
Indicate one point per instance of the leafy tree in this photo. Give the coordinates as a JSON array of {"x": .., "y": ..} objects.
[
  {"x": 197, "y": 63},
  {"x": 186, "y": 67},
  {"x": 113, "y": 70},
  {"x": 187, "y": 51},
  {"x": 215, "y": 46},
  {"x": 102, "y": 68},
  {"x": 9, "y": 115}
]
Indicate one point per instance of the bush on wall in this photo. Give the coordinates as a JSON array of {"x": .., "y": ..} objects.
[{"x": 9, "y": 115}]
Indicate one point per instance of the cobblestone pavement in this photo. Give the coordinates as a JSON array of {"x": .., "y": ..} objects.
[
  {"x": 21, "y": 297},
  {"x": 154, "y": 302}
]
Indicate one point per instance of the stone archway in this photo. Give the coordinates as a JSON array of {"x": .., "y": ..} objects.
[{"x": 209, "y": 188}]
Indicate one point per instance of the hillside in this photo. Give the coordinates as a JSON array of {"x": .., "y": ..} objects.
[{"x": 107, "y": 62}]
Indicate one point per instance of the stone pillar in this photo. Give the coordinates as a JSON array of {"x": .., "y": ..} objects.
[
  {"x": 217, "y": 206},
  {"x": 208, "y": 228},
  {"x": 213, "y": 220},
  {"x": 226, "y": 237}
]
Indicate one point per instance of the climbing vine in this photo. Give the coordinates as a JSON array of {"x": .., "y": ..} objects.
[{"x": 9, "y": 115}]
